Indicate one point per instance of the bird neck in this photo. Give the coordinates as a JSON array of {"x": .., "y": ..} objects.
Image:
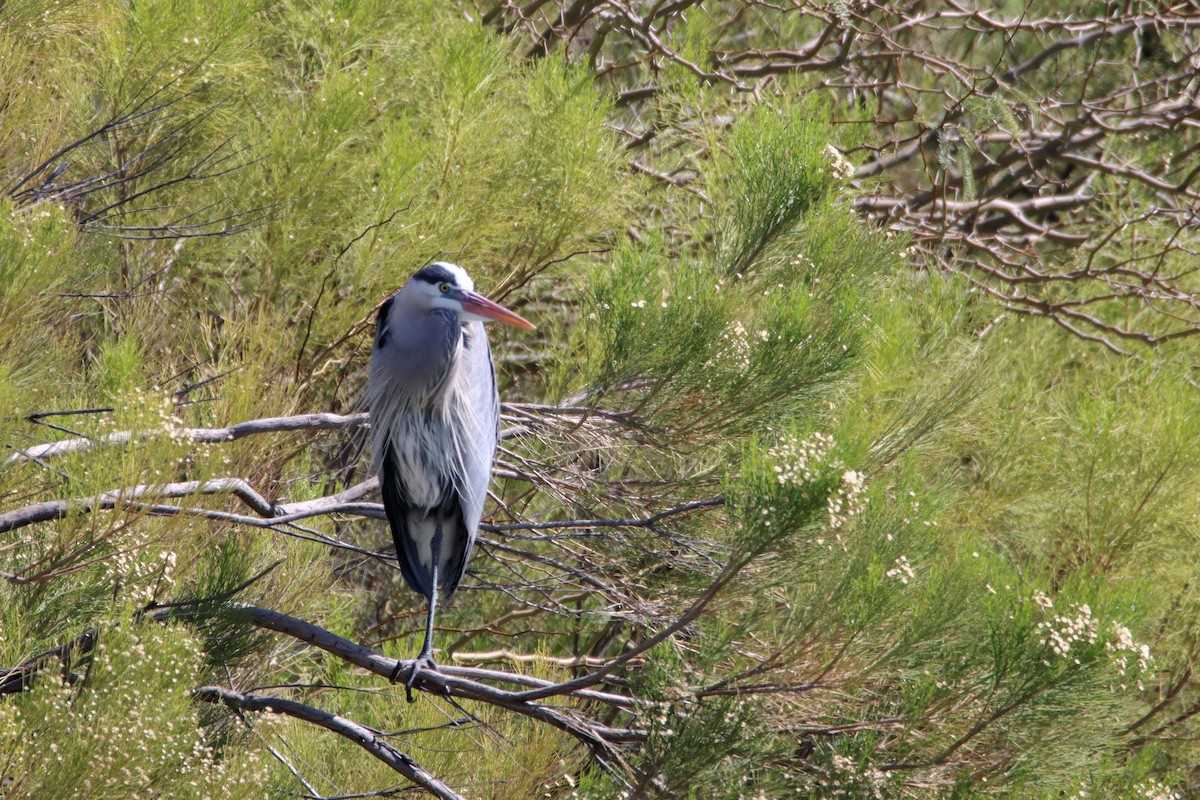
[{"x": 415, "y": 366}]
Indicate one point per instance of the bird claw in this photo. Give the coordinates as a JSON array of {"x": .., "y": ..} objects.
[{"x": 422, "y": 662}]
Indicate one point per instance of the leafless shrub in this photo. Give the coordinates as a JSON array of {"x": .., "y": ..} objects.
[{"x": 1045, "y": 158}]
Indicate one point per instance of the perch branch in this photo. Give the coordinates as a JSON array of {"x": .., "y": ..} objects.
[{"x": 366, "y": 738}]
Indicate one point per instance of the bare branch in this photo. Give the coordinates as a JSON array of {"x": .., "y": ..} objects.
[
  {"x": 198, "y": 435},
  {"x": 366, "y": 738}
]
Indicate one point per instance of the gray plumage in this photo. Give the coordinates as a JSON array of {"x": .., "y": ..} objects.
[{"x": 435, "y": 417}]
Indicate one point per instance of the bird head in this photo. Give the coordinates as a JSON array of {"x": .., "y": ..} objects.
[{"x": 448, "y": 286}]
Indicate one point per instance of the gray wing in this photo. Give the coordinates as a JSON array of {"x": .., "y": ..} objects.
[
  {"x": 404, "y": 519},
  {"x": 477, "y": 412}
]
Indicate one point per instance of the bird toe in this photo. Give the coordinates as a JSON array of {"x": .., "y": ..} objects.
[{"x": 423, "y": 662}]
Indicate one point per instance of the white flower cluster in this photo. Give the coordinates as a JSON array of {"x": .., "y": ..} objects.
[
  {"x": 134, "y": 743},
  {"x": 797, "y": 461},
  {"x": 802, "y": 461},
  {"x": 151, "y": 414},
  {"x": 902, "y": 572},
  {"x": 849, "y": 499},
  {"x": 1155, "y": 790},
  {"x": 737, "y": 339},
  {"x": 1123, "y": 646},
  {"x": 843, "y": 778},
  {"x": 1062, "y": 631},
  {"x": 140, "y": 579},
  {"x": 842, "y": 169}
]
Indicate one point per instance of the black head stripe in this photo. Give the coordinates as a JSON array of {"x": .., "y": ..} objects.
[
  {"x": 381, "y": 332},
  {"x": 435, "y": 274}
]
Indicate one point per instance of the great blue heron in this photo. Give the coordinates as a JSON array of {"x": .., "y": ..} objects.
[{"x": 435, "y": 417}]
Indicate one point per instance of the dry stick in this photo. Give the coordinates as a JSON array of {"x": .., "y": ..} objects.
[
  {"x": 384, "y": 666},
  {"x": 200, "y": 435},
  {"x": 365, "y": 738},
  {"x": 590, "y": 679},
  {"x": 20, "y": 677},
  {"x": 298, "y": 422},
  {"x": 275, "y": 514},
  {"x": 57, "y": 509}
]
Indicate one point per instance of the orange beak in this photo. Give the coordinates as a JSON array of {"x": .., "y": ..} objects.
[{"x": 478, "y": 304}]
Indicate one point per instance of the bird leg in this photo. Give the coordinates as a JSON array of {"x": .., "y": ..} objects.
[{"x": 425, "y": 659}]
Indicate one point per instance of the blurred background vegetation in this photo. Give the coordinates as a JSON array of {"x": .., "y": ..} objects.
[{"x": 864, "y": 364}]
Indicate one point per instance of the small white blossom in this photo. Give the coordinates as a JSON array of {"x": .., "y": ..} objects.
[
  {"x": 738, "y": 341},
  {"x": 797, "y": 461},
  {"x": 902, "y": 572},
  {"x": 1063, "y": 631},
  {"x": 1123, "y": 645},
  {"x": 1155, "y": 790},
  {"x": 849, "y": 500},
  {"x": 842, "y": 169}
]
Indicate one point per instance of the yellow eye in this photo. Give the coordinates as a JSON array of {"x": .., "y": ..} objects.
[{"x": 445, "y": 287}]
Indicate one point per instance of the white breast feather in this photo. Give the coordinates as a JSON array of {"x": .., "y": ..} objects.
[{"x": 432, "y": 449}]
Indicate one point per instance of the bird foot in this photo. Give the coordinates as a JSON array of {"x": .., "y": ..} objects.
[{"x": 422, "y": 662}]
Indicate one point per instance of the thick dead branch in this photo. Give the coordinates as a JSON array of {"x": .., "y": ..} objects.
[
  {"x": 366, "y": 738},
  {"x": 199, "y": 435},
  {"x": 131, "y": 495},
  {"x": 529, "y": 417},
  {"x": 20, "y": 677}
]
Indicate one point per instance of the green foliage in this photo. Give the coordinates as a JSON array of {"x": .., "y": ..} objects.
[
  {"x": 387, "y": 137},
  {"x": 755, "y": 330},
  {"x": 778, "y": 172},
  {"x": 35, "y": 254},
  {"x": 942, "y": 538},
  {"x": 129, "y": 730}
]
